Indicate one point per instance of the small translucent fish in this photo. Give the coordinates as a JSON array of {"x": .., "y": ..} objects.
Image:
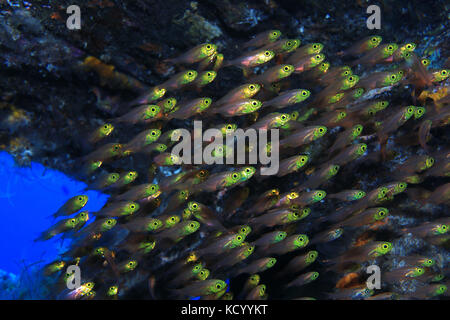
[
  {"x": 101, "y": 132},
  {"x": 235, "y": 256},
  {"x": 205, "y": 78},
  {"x": 300, "y": 262},
  {"x": 379, "y": 80},
  {"x": 331, "y": 74},
  {"x": 349, "y": 154},
  {"x": 417, "y": 260},
  {"x": 245, "y": 91},
  {"x": 188, "y": 272},
  {"x": 222, "y": 244},
  {"x": 294, "y": 242},
  {"x": 417, "y": 74},
  {"x": 270, "y": 238},
  {"x": 306, "y": 50},
  {"x": 308, "y": 62},
  {"x": 179, "y": 80},
  {"x": 430, "y": 228},
  {"x": 142, "y": 114},
  {"x": 144, "y": 225},
  {"x": 167, "y": 159},
  {"x": 252, "y": 59},
  {"x": 367, "y": 217},
  {"x": 105, "y": 152},
  {"x": 142, "y": 140},
  {"x": 429, "y": 291},
  {"x": 320, "y": 176},
  {"x": 332, "y": 119},
  {"x": 179, "y": 231},
  {"x": 195, "y": 54},
  {"x": 125, "y": 179},
  {"x": 204, "y": 215},
  {"x": 146, "y": 190},
  {"x": 288, "y": 98},
  {"x": 303, "y": 279},
  {"x": 283, "y": 46},
  {"x": 440, "y": 75},
  {"x": 274, "y": 74},
  {"x": 54, "y": 267},
  {"x": 397, "y": 120},
  {"x": 303, "y": 136},
  {"x": 281, "y": 216},
  {"x": 380, "y": 53},
  {"x": 348, "y": 195},
  {"x": 251, "y": 283},
  {"x": 72, "y": 205},
  {"x": 190, "y": 108},
  {"x": 60, "y": 227},
  {"x": 346, "y": 138},
  {"x": 149, "y": 96},
  {"x": 363, "y": 253},
  {"x": 239, "y": 108},
  {"x": 292, "y": 164},
  {"x": 201, "y": 288},
  {"x": 99, "y": 226},
  {"x": 167, "y": 105},
  {"x": 362, "y": 46},
  {"x": 263, "y": 38},
  {"x": 327, "y": 236},
  {"x": 358, "y": 293},
  {"x": 257, "y": 293},
  {"x": 105, "y": 180},
  {"x": 402, "y": 274},
  {"x": 272, "y": 120},
  {"x": 118, "y": 209},
  {"x": 258, "y": 266}
]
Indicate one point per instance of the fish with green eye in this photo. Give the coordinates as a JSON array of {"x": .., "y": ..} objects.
[
  {"x": 440, "y": 75},
  {"x": 274, "y": 74},
  {"x": 101, "y": 132},
  {"x": 263, "y": 38},
  {"x": 72, "y": 205},
  {"x": 205, "y": 78},
  {"x": 195, "y": 54}
]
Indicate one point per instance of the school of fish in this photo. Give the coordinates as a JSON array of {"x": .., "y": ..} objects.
[{"x": 185, "y": 231}]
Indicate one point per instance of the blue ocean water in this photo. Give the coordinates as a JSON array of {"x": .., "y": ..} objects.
[{"x": 28, "y": 196}]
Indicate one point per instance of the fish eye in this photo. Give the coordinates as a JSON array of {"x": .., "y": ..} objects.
[
  {"x": 109, "y": 222},
  {"x": 286, "y": 68},
  {"x": 229, "y": 127},
  {"x": 172, "y": 219},
  {"x": 80, "y": 198},
  {"x": 288, "y": 43},
  {"x": 192, "y": 225},
  {"x": 132, "y": 206},
  {"x": 410, "y": 110},
  {"x": 208, "y": 46},
  {"x": 374, "y": 39},
  {"x": 189, "y": 73},
  {"x": 275, "y": 33},
  {"x": 238, "y": 238},
  {"x": 390, "y": 47},
  {"x": 393, "y": 76},
  {"x": 304, "y": 93},
  {"x": 283, "y": 117},
  {"x": 350, "y": 78},
  {"x": 385, "y": 246},
  {"x": 267, "y": 53},
  {"x": 218, "y": 286},
  {"x": 209, "y": 74},
  {"x": 321, "y": 130},
  {"x": 444, "y": 72},
  {"x": 315, "y": 46},
  {"x": 153, "y": 133},
  {"x": 254, "y": 103},
  {"x": 153, "y": 109},
  {"x": 408, "y": 46},
  {"x": 155, "y": 223},
  {"x": 251, "y": 87},
  {"x": 346, "y": 72},
  {"x": 106, "y": 127}
]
